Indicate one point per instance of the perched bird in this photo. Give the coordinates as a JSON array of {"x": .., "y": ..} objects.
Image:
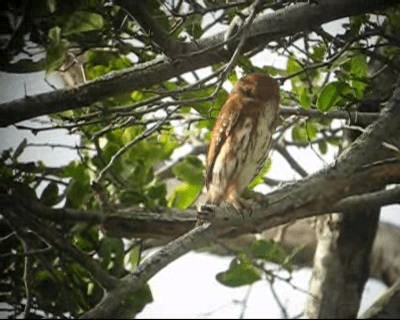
[{"x": 241, "y": 139}]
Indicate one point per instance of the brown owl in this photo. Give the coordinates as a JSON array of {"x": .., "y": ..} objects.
[{"x": 241, "y": 139}]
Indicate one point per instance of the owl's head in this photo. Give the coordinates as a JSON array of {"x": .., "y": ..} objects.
[{"x": 258, "y": 86}]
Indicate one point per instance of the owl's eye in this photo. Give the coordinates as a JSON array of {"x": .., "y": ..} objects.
[{"x": 246, "y": 92}]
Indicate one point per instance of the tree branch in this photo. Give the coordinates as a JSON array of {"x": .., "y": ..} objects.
[
  {"x": 290, "y": 160},
  {"x": 153, "y": 29},
  {"x": 355, "y": 116},
  {"x": 374, "y": 199},
  {"x": 115, "y": 303},
  {"x": 386, "y": 306}
]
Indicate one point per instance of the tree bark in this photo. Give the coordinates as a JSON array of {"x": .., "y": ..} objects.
[{"x": 341, "y": 263}]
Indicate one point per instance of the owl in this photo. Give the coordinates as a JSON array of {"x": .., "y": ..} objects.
[{"x": 241, "y": 139}]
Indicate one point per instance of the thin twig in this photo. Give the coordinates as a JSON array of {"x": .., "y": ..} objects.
[
  {"x": 278, "y": 301},
  {"x": 244, "y": 302},
  {"x": 293, "y": 163}
]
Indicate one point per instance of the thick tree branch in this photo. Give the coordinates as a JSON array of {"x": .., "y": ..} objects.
[
  {"x": 374, "y": 199},
  {"x": 157, "y": 34},
  {"x": 387, "y": 306},
  {"x": 268, "y": 27},
  {"x": 115, "y": 303}
]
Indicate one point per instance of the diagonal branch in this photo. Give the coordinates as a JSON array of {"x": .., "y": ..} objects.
[
  {"x": 153, "y": 29},
  {"x": 386, "y": 306},
  {"x": 115, "y": 303}
]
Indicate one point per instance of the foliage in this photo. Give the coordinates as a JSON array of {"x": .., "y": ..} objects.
[
  {"x": 248, "y": 267},
  {"x": 126, "y": 139}
]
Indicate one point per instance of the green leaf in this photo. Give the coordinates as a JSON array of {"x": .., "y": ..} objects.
[
  {"x": 233, "y": 78},
  {"x": 246, "y": 64},
  {"x": 82, "y": 21},
  {"x": 55, "y": 35},
  {"x": 156, "y": 193},
  {"x": 139, "y": 173},
  {"x": 137, "y": 95},
  {"x": 334, "y": 141},
  {"x": 331, "y": 94},
  {"x": 393, "y": 20},
  {"x": 184, "y": 195},
  {"x": 55, "y": 54},
  {"x": 291, "y": 68},
  {"x": 152, "y": 149},
  {"x": 323, "y": 147},
  {"x": 85, "y": 238},
  {"x": 135, "y": 302},
  {"x": 241, "y": 272},
  {"x": 189, "y": 170},
  {"x": 356, "y": 22},
  {"x": 51, "y": 5},
  {"x": 50, "y": 194},
  {"x": 220, "y": 99},
  {"x": 202, "y": 107},
  {"x": 194, "y": 28},
  {"x": 260, "y": 177},
  {"x": 109, "y": 150},
  {"x": 111, "y": 252},
  {"x": 270, "y": 251},
  {"x": 157, "y": 14},
  {"x": 299, "y": 133},
  {"x": 274, "y": 71},
  {"x": 130, "y": 133},
  {"x": 18, "y": 151},
  {"x": 55, "y": 57},
  {"x": 130, "y": 198},
  {"x": 304, "y": 98},
  {"x": 359, "y": 65},
  {"x": 359, "y": 70},
  {"x": 75, "y": 170},
  {"x": 311, "y": 130},
  {"x": 319, "y": 52},
  {"x": 78, "y": 193},
  {"x": 134, "y": 257}
]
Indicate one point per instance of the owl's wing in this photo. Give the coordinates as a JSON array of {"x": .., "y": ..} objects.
[{"x": 223, "y": 128}]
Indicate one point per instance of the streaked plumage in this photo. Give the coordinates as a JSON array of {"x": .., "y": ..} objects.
[{"x": 241, "y": 138}]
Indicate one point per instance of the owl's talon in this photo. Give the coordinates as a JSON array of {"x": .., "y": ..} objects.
[
  {"x": 205, "y": 213},
  {"x": 207, "y": 210}
]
